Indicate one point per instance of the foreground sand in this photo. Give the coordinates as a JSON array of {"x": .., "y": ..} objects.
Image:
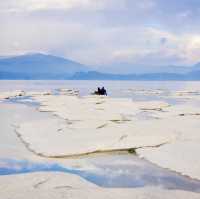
[
  {"x": 91, "y": 124},
  {"x": 59, "y": 185},
  {"x": 165, "y": 134}
]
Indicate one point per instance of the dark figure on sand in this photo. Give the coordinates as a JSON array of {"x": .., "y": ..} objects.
[
  {"x": 100, "y": 91},
  {"x": 103, "y": 91}
]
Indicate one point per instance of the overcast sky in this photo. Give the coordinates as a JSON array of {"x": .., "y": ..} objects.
[{"x": 103, "y": 32}]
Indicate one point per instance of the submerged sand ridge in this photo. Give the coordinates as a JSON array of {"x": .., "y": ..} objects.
[{"x": 91, "y": 124}]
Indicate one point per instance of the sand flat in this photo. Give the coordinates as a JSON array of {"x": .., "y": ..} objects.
[
  {"x": 92, "y": 124},
  {"x": 59, "y": 185}
]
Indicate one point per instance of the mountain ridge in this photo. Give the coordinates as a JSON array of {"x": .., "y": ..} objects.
[
  {"x": 44, "y": 66},
  {"x": 94, "y": 75},
  {"x": 39, "y": 64}
]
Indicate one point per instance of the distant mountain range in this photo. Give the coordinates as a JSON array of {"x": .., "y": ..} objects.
[
  {"x": 41, "y": 66},
  {"x": 93, "y": 75},
  {"x": 38, "y": 66},
  {"x": 127, "y": 68}
]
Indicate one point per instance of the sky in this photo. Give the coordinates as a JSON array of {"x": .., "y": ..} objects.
[{"x": 104, "y": 32}]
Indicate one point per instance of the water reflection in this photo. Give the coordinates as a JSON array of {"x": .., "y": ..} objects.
[
  {"x": 111, "y": 171},
  {"x": 27, "y": 100}
]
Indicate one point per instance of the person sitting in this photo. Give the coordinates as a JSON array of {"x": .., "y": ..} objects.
[
  {"x": 100, "y": 91},
  {"x": 103, "y": 91}
]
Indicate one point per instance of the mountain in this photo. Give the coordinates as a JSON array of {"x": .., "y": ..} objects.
[
  {"x": 38, "y": 66},
  {"x": 126, "y": 68},
  {"x": 93, "y": 75},
  {"x": 123, "y": 71},
  {"x": 41, "y": 66}
]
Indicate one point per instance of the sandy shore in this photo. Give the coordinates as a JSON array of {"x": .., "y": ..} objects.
[
  {"x": 163, "y": 133},
  {"x": 91, "y": 124}
]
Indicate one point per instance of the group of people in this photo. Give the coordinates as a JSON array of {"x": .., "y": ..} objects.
[{"x": 100, "y": 91}]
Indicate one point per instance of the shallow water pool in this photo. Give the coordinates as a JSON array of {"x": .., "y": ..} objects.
[{"x": 114, "y": 170}]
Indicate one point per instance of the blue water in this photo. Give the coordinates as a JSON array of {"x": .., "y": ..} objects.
[
  {"x": 116, "y": 174},
  {"x": 27, "y": 100},
  {"x": 114, "y": 88},
  {"x": 127, "y": 89}
]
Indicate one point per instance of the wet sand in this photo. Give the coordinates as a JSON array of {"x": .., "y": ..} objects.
[{"x": 97, "y": 169}]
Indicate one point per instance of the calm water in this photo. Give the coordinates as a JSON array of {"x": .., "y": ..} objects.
[
  {"x": 136, "y": 90},
  {"x": 114, "y": 88}
]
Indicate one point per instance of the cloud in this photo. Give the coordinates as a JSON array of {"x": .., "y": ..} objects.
[
  {"x": 38, "y": 5},
  {"x": 103, "y": 32}
]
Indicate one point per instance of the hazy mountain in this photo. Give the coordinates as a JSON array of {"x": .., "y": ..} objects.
[
  {"x": 93, "y": 75},
  {"x": 126, "y": 68},
  {"x": 39, "y": 66}
]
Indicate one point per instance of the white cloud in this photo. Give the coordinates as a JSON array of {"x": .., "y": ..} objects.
[
  {"x": 178, "y": 49},
  {"x": 38, "y": 5},
  {"x": 99, "y": 32}
]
